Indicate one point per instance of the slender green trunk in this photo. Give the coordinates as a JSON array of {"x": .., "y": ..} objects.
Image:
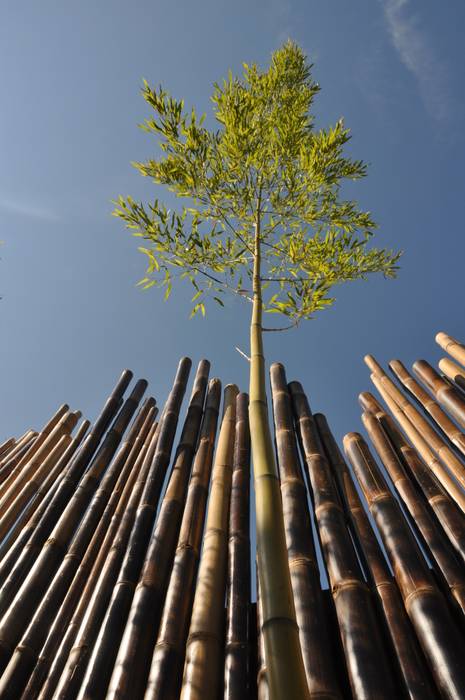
[{"x": 284, "y": 662}]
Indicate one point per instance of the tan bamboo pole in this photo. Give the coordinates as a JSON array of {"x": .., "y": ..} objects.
[
  {"x": 71, "y": 660},
  {"x": 13, "y": 571},
  {"x": 422, "y": 447},
  {"x": 135, "y": 652},
  {"x": 25, "y": 470},
  {"x": 411, "y": 665},
  {"x": 437, "y": 414},
  {"x": 445, "y": 394},
  {"x": 68, "y": 581},
  {"x": 168, "y": 658},
  {"x": 27, "y": 598},
  {"x": 428, "y": 434},
  {"x": 20, "y": 450},
  {"x": 7, "y": 446},
  {"x": 104, "y": 653},
  {"x": 26, "y": 524},
  {"x": 452, "y": 347},
  {"x": 369, "y": 671},
  {"x": 305, "y": 575},
  {"x": 128, "y": 459},
  {"x": 453, "y": 372},
  {"x": 439, "y": 637},
  {"x": 447, "y": 566},
  {"x": 238, "y": 583},
  {"x": 23, "y": 440},
  {"x": 202, "y": 668}
]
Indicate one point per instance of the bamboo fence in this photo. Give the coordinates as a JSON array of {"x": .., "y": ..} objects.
[{"x": 126, "y": 565}]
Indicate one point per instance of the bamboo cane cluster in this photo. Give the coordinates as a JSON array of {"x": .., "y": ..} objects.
[{"x": 125, "y": 556}]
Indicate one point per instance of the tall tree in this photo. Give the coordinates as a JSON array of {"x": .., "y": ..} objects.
[{"x": 265, "y": 218}]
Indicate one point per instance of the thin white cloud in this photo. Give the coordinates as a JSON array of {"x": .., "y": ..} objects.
[
  {"x": 418, "y": 55},
  {"x": 28, "y": 209}
]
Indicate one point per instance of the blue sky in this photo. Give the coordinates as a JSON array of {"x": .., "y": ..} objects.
[{"x": 71, "y": 315}]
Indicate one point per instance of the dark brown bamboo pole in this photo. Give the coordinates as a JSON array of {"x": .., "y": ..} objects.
[
  {"x": 369, "y": 671},
  {"x": 11, "y": 546},
  {"x": 444, "y": 507},
  {"x": 443, "y": 451},
  {"x": 104, "y": 653},
  {"x": 12, "y": 576},
  {"x": 453, "y": 372},
  {"x": 431, "y": 534},
  {"x": 132, "y": 664},
  {"x": 204, "y": 648},
  {"x": 71, "y": 660},
  {"x": 422, "y": 447},
  {"x": 168, "y": 659},
  {"x": 7, "y": 446},
  {"x": 305, "y": 575},
  {"x": 238, "y": 584},
  {"x": 437, "y": 414},
  {"x": 411, "y": 664},
  {"x": 452, "y": 347},
  {"x": 129, "y": 461},
  {"x": 26, "y": 470},
  {"x": 445, "y": 394},
  {"x": 440, "y": 639},
  {"x": 20, "y": 450},
  {"x": 27, "y": 598},
  {"x": 68, "y": 581}
]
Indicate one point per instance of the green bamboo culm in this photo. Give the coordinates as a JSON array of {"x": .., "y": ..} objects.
[{"x": 264, "y": 220}]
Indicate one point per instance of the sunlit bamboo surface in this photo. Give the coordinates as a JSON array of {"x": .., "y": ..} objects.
[{"x": 126, "y": 565}]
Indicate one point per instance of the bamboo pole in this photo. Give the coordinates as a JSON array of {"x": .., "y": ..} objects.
[
  {"x": 440, "y": 639},
  {"x": 441, "y": 418},
  {"x": 7, "y": 446},
  {"x": 411, "y": 664},
  {"x": 132, "y": 664},
  {"x": 49, "y": 516},
  {"x": 444, "y": 507},
  {"x": 104, "y": 653},
  {"x": 70, "y": 663},
  {"x": 367, "y": 662},
  {"x": 202, "y": 676},
  {"x": 422, "y": 447},
  {"x": 431, "y": 534},
  {"x": 445, "y": 394},
  {"x": 86, "y": 567},
  {"x": 168, "y": 658},
  {"x": 421, "y": 425},
  {"x": 452, "y": 347},
  {"x": 238, "y": 583},
  {"x": 23, "y": 440},
  {"x": 305, "y": 575},
  {"x": 27, "y": 598},
  {"x": 68, "y": 581},
  {"x": 453, "y": 372},
  {"x": 263, "y": 690},
  {"x": 15, "y": 455}
]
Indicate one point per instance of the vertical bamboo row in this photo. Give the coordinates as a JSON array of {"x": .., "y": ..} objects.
[
  {"x": 136, "y": 649},
  {"x": 305, "y": 576},
  {"x": 28, "y": 596},
  {"x": 367, "y": 663},
  {"x": 165, "y": 675},
  {"x": 71, "y": 661},
  {"x": 238, "y": 585},
  {"x": 411, "y": 665},
  {"x": 103, "y": 656},
  {"x": 202, "y": 677},
  {"x": 440, "y": 639}
]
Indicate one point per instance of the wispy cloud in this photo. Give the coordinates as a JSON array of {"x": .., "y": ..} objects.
[
  {"x": 416, "y": 51},
  {"x": 24, "y": 207}
]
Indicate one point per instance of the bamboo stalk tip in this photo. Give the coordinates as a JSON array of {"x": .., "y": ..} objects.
[
  {"x": 442, "y": 337},
  {"x": 295, "y": 387},
  {"x": 371, "y": 362},
  {"x": 351, "y": 437}
]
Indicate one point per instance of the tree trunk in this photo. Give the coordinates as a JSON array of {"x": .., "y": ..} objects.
[{"x": 286, "y": 674}]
